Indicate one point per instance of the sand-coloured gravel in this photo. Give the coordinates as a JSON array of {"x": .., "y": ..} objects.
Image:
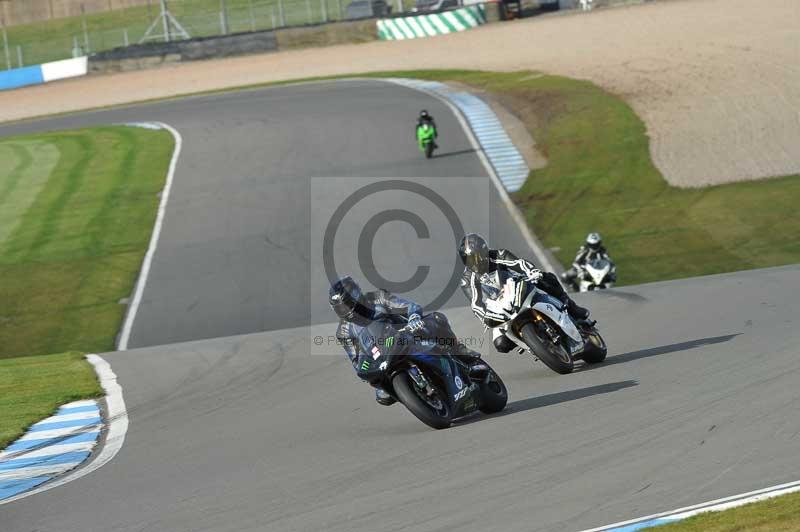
[{"x": 716, "y": 81}]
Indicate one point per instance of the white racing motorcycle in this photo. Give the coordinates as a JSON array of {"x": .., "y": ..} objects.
[
  {"x": 539, "y": 323},
  {"x": 595, "y": 275}
]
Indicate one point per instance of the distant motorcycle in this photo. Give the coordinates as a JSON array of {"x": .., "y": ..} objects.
[
  {"x": 541, "y": 325},
  {"x": 596, "y": 274},
  {"x": 426, "y": 134},
  {"x": 432, "y": 384}
]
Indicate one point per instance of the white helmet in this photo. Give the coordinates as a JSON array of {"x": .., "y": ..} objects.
[{"x": 593, "y": 240}]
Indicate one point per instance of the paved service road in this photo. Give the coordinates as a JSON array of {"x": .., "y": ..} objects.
[
  {"x": 697, "y": 400},
  {"x": 236, "y": 253}
]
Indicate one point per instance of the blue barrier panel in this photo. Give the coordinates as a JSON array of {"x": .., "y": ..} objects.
[{"x": 19, "y": 77}]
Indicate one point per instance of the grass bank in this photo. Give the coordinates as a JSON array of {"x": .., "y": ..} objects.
[
  {"x": 31, "y": 388},
  {"x": 76, "y": 212},
  {"x": 773, "y": 515},
  {"x": 600, "y": 177}
]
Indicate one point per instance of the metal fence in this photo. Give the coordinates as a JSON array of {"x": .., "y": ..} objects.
[{"x": 70, "y": 37}]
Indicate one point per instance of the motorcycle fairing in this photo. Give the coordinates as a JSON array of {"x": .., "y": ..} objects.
[
  {"x": 556, "y": 311},
  {"x": 447, "y": 369}
]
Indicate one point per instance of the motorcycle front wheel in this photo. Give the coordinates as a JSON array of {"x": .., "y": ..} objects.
[
  {"x": 595, "y": 350},
  {"x": 429, "y": 150},
  {"x": 493, "y": 393},
  {"x": 433, "y": 411},
  {"x": 554, "y": 356}
]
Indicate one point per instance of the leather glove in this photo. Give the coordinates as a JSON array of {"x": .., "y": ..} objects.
[{"x": 415, "y": 323}]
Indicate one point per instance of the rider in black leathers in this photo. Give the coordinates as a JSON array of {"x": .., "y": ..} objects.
[
  {"x": 491, "y": 267},
  {"x": 357, "y": 309}
]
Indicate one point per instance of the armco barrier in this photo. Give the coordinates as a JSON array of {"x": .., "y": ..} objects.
[
  {"x": 33, "y": 75},
  {"x": 186, "y": 50},
  {"x": 465, "y": 18}
]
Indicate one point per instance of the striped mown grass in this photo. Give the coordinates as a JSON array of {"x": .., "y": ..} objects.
[{"x": 76, "y": 212}]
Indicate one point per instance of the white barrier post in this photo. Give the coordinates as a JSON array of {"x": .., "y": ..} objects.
[
  {"x": 308, "y": 9},
  {"x": 85, "y": 30},
  {"x": 281, "y": 14},
  {"x": 324, "y": 11},
  {"x": 165, "y": 20},
  {"x": 125, "y": 37},
  {"x": 223, "y": 17},
  {"x": 252, "y": 15},
  {"x": 339, "y": 8},
  {"x": 19, "y": 56},
  {"x": 272, "y": 15},
  {"x": 5, "y": 47}
]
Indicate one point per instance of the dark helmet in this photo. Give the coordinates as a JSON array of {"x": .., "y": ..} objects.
[
  {"x": 346, "y": 300},
  {"x": 474, "y": 253},
  {"x": 423, "y": 115},
  {"x": 593, "y": 241}
]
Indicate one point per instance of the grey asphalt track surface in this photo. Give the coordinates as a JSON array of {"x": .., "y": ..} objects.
[
  {"x": 235, "y": 254},
  {"x": 697, "y": 400}
]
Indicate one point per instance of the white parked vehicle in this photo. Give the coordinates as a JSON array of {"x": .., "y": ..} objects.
[{"x": 539, "y": 323}]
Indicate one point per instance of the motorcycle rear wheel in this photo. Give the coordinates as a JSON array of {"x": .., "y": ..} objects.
[
  {"x": 554, "y": 356},
  {"x": 410, "y": 396}
]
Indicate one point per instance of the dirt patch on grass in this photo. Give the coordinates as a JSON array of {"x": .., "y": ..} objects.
[{"x": 360, "y": 31}]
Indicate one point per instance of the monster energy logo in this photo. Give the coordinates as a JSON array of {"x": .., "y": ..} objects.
[
  {"x": 365, "y": 365},
  {"x": 390, "y": 341}
]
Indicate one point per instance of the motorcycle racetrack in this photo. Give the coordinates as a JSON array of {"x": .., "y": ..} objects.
[{"x": 240, "y": 430}]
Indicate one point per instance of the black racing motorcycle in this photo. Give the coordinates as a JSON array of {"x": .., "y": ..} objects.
[{"x": 422, "y": 374}]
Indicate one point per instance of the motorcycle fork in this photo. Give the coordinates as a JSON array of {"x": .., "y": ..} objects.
[
  {"x": 544, "y": 324},
  {"x": 420, "y": 381}
]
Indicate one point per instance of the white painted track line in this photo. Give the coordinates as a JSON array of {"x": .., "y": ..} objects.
[{"x": 130, "y": 316}]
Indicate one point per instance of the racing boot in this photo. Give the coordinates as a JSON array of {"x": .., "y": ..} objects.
[
  {"x": 576, "y": 312},
  {"x": 477, "y": 369},
  {"x": 383, "y": 397}
]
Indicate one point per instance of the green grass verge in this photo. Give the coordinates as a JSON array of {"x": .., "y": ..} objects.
[
  {"x": 600, "y": 177},
  {"x": 32, "y": 388},
  {"x": 773, "y": 515},
  {"x": 76, "y": 211}
]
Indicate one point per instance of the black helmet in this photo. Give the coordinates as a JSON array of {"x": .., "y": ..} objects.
[
  {"x": 346, "y": 300},
  {"x": 423, "y": 115},
  {"x": 474, "y": 253},
  {"x": 593, "y": 241}
]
